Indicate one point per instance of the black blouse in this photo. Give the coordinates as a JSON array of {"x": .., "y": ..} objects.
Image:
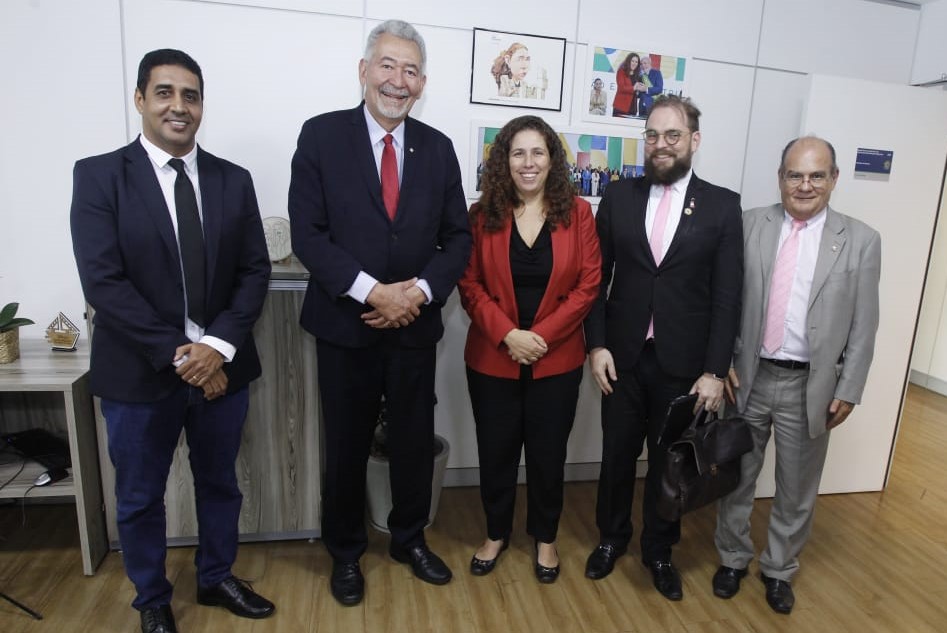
[{"x": 531, "y": 268}]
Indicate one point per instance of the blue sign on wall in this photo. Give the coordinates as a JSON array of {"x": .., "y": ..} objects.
[{"x": 873, "y": 164}]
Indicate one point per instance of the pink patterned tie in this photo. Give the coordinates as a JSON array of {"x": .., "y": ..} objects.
[
  {"x": 657, "y": 238},
  {"x": 780, "y": 290}
]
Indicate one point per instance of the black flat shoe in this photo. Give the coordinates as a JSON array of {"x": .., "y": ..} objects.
[
  {"x": 479, "y": 567},
  {"x": 601, "y": 561},
  {"x": 545, "y": 575},
  {"x": 727, "y": 581},
  {"x": 779, "y": 594}
]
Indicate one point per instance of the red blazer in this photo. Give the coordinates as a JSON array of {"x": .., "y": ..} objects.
[{"x": 486, "y": 292}]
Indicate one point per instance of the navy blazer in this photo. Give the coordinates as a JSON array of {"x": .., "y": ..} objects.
[
  {"x": 340, "y": 226},
  {"x": 130, "y": 270},
  {"x": 694, "y": 294}
]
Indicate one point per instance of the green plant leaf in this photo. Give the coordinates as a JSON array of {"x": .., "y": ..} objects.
[
  {"x": 14, "y": 323},
  {"x": 8, "y": 312}
]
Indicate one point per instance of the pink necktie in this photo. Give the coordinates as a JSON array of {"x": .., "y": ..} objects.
[
  {"x": 657, "y": 238},
  {"x": 780, "y": 290},
  {"x": 389, "y": 177}
]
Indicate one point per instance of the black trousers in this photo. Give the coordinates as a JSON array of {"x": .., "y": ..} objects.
[
  {"x": 351, "y": 383},
  {"x": 633, "y": 413},
  {"x": 512, "y": 414}
]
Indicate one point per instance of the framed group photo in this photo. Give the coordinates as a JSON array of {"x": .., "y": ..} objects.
[
  {"x": 516, "y": 69},
  {"x": 622, "y": 84},
  {"x": 594, "y": 160}
]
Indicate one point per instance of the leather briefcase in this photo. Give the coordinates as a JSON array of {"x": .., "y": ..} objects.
[{"x": 703, "y": 465}]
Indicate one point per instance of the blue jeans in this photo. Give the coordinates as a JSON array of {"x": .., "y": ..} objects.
[{"x": 141, "y": 439}]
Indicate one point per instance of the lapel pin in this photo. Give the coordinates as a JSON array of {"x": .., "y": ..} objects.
[
  {"x": 690, "y": 207},
  {"x": 834, "y": 247},
  {"x": 411, "y": 150}
]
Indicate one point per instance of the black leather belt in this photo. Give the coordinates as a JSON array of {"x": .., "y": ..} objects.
[{"x": 787, "y": 364}]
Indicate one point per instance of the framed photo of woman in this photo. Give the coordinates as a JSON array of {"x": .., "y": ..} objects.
[
  {"x": 622, "y": 84},
  {"x": 516, "y": 69}
]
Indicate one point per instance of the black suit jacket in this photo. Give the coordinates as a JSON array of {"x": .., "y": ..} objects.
[
  {"x": 694, "y": 294},
  {"x": 340, "y": 226},
  {"x": 130, "y": 270}
]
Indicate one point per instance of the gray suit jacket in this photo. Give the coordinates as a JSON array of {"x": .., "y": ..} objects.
[{"x": 843, "y": 308}]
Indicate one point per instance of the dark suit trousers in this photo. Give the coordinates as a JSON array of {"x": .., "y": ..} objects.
[
  {"x": 633, "y": 413},
  {"x": 351, "y": 383},
  {"x": 142, "y": 438},
  {"x": 511, "y": 414}
]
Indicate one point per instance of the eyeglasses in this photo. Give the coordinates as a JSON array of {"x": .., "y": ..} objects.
[
  {"x": 671, "y": 137},
  {"x": 816, "y": 180}
]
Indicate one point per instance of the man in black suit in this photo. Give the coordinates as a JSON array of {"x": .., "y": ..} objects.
[
  {"x": 171, "y": 255},
  {"x": 385, "y": 243},
  {"x": 672, "y": 251}
]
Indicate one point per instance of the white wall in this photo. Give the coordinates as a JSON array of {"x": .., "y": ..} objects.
[
  {"x": 270, "y": 64},
  {"x": 930, "y": 55}
]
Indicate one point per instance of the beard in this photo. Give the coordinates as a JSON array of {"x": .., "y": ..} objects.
[
  {"x": 670, "y": 174},
  {"x": 397, "y": 111}
]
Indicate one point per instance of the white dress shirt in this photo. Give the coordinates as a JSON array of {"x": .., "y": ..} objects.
[
  {"x": 166, "y": 177},
  {"x": 795, "y": 344},
  {"x": 364, "y": 282}
]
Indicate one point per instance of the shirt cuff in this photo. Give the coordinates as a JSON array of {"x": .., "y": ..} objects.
[
  {"x": 426, "y": 289},
  {"x": 226, "y": 350},
  {"x": 361, "y": 287}
]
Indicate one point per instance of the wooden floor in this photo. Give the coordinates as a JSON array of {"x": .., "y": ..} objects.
[{"x": 875, "y": 562}]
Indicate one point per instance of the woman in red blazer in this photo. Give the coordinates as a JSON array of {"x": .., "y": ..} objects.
[{"x": 533, "y": 274}]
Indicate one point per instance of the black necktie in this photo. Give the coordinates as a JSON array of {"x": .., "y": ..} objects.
[{"x": 191, "y": 242}]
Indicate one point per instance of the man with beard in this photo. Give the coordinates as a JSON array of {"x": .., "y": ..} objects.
[
  {"x": 385, "y": 247},
  {"x": 663, "y": 325}
]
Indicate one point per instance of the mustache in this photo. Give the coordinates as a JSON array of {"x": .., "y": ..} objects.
[{"x": 391, "y": 91}]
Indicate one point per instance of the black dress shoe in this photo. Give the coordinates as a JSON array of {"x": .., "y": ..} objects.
[
  {"x": 425, "y": 564},
  {"x": 727, "y": 581},
  {"x": 545, "y": 575},
  {"x": 779, "y": 594},
  {"x": 347, "y": 583},
  {"x": 158, "y": 620},
  {"x": 238, "y": 597},
  {"x": 666, "y": 579},
  {"x": 601, "y": 561},
  {"x": 479, "y": 567}
]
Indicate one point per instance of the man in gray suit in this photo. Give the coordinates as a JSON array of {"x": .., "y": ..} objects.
[{"x": 810, "y": 313}]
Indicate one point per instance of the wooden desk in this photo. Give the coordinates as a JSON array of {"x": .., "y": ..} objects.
[{"x": 50, "y": 390}]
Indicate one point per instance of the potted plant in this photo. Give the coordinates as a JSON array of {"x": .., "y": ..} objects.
[
  {"x": 10, "y": 332},
  {"x": 378, "y": 483}
]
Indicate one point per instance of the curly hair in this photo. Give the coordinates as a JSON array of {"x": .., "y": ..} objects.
[
  {"x": 499, "y": 196},
  {"x": 626, "y": 65}
]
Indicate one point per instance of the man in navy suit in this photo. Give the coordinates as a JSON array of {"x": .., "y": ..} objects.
[
  {"x": 648, "y": 89},
  {"x": 379, "y": 218},
  {"x": 171, "y": 255},
  {"x": 664, "y": 324}
]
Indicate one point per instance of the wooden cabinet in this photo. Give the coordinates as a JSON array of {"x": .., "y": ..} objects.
[
  {"x": 50, "y": 390},
  {"x": 278, "y": 468}
]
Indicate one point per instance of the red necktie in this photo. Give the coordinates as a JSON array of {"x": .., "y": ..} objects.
[{"x": 389, "y": 177}]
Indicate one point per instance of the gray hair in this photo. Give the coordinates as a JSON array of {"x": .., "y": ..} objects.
[{"x": 399, "y": 29}]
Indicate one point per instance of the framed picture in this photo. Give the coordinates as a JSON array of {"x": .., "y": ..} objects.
[
  {"x": 594, "y": 159},
  {"x": 622, "y": 84},
  {"x": 515, "y": 69}
]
